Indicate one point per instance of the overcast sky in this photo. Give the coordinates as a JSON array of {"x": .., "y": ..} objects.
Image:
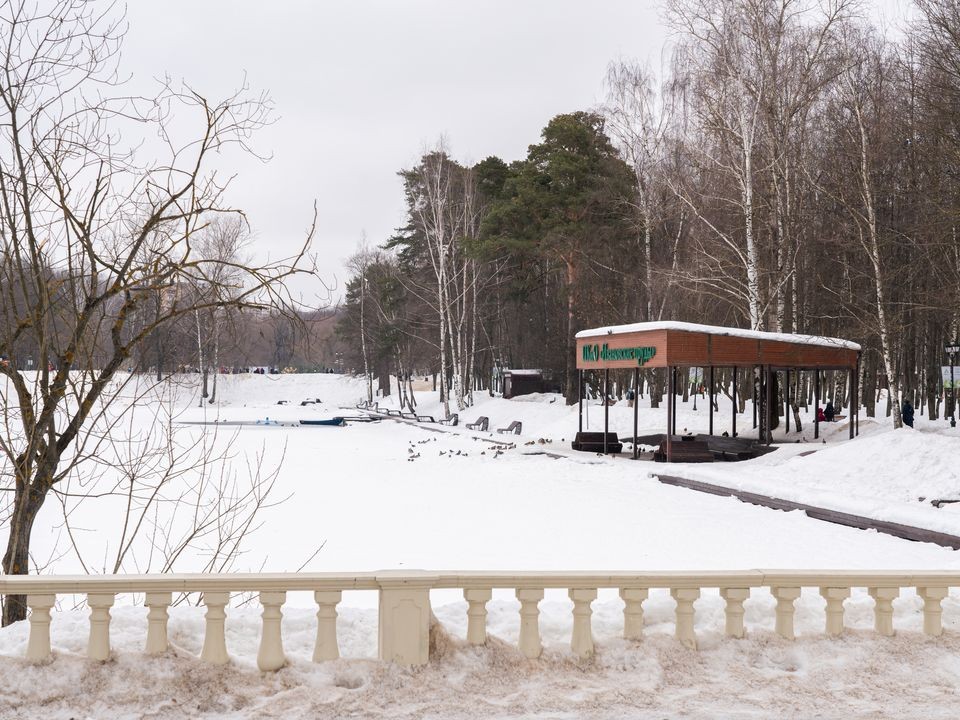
[{"x": 362, "y": 87}]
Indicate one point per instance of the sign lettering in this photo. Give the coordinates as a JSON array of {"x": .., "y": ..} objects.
[{"x": 595, "y": 353}]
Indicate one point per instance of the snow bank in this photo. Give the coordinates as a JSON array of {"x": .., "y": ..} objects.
[{"x": 890, "y": 475}]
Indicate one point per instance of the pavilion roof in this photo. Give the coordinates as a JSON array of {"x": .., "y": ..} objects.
[{"x": 719, "y": 330}]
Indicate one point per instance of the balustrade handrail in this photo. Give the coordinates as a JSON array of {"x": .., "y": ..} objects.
[
  {"x": 405, "y": 613},
  {"x": 375, "y": 580}
]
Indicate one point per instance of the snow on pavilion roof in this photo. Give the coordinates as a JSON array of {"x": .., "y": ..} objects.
[{"x": 718, "y": 330}]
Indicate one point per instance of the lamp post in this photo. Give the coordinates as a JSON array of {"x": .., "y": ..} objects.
[{"x": 952, "y": 351}]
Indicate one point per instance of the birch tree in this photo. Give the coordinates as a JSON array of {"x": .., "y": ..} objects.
[
  {"x": 862, "y": 97},
  {"x": 727, "y": 88}
]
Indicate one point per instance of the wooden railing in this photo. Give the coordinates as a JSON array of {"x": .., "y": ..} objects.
[{"x": 405, "y": 614}]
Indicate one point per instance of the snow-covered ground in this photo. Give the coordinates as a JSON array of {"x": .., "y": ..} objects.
[{"x": 395, "y": 495}]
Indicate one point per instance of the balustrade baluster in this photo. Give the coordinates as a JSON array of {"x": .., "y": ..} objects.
[
  {"x": 98, "y": 647},
  {"x": 529, "y": 621},
  {"x": 157, "y": 602},
  {"x": 834, "y": 597},
  {"x": 785, "y": 609},
  {"x": 883, "y": 598},
  {"x": 326, "y": 647},
  {"x": 271, "y": 657},
  {"x": 215, "y": 639},
  {"x": 932, "y": 609},
  {"x": 685, "y": 597},
  {"x": 38, "y": 646},
  {"x": 734, "y": 598},
  {"x": 633, "y": 611},
  {"x": 477, "y": 599},
  {"x": 581, "y": 640}
]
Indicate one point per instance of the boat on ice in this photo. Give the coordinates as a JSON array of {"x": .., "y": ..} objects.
[{"x": 334, "y": 421}]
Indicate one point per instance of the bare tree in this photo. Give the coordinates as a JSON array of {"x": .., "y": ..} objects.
[
  {"x": 862, "y": 98},
  {"x": 638, "y": 116},
  {"x": 225, "y": 243},
  {"x": 359, "y": 264},
  {"x": 91, "y": 234}
]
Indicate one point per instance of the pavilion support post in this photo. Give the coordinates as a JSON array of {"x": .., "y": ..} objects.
[
  {"x": 758, "y": 401},
  {"x": 671, "y": 379},
  {"x": 636, "y": 406},
  {"x": 853, "y": 399},
  {"x": 786, "y": 393},
  {"x": 859, "y": 379},
  {"x": 768, "y": 410},
  {"x": 734, "y": 396},
  {"x": 816, "y": 404},
  {"x": 673, "y": 400},
  {"x": 711, "y": 399},
  {"x": 580, "y": 399},
  {"x": 606, "y": 407}
]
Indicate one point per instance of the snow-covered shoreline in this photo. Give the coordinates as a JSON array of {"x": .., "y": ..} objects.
[{"x": 396, "y": 496}]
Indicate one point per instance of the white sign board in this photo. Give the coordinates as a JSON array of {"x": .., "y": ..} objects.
[{"x": 945, "y": 374}]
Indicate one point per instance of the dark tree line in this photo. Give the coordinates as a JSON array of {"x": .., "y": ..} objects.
[{"x": 792, "y": 170}]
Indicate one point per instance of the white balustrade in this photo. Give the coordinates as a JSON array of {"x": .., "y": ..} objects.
[
  {"x": 477, "y": 599},
  {"x": 215, "y": 638},
  {"x": 404, "y": 628},
  {"x": 932, "y": 609},
  {"x": 405, "y": 614},
  {"x": 98, "y": 647},
  {"x": 685, "y": 598},
  {"x": 38, "y": 646},
  {"x": 581, "y": 640},
  {"x": 633, "y": 611},
  {"x": 734, "y": 598},
  {"x": 326, "y": 647},
  {"x": 157, "y": 615},
  {"x": 785, "y": 609},
  {"x": 883, "y": 598},
  {"x": 530, "y": 621},
  {"x": 834, "y": 597},
  {"x": 270, "y": 656}
]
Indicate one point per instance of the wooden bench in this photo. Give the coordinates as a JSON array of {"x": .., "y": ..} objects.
[
  {"x": 452, "y": 421},
  {"x": 482, "y": 423},
  {"x": 516, "y": 427},
  {"x": 425, "y": 418},
  {"x": 593, "y": 442}
]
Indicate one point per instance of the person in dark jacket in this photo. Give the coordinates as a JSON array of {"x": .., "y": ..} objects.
[
  {"x": 907, "y": 411},
  {"x": 829, "y": 413}
]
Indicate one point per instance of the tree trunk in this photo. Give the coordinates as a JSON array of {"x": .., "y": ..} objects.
[
  {"x": 16, "y": 561},
  {"x": 570, "y": 389}
]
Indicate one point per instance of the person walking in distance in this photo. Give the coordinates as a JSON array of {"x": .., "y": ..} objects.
[{"x": 907, "y": 412}]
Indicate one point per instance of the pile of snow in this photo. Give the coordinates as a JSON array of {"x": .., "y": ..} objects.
[{"x": 891, "y": 475}]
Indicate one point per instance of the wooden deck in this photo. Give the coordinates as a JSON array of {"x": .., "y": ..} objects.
[{"x": 724, "y": 449}]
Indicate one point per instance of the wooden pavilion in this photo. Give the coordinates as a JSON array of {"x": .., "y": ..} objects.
[{"x": 674, "y": 345}]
